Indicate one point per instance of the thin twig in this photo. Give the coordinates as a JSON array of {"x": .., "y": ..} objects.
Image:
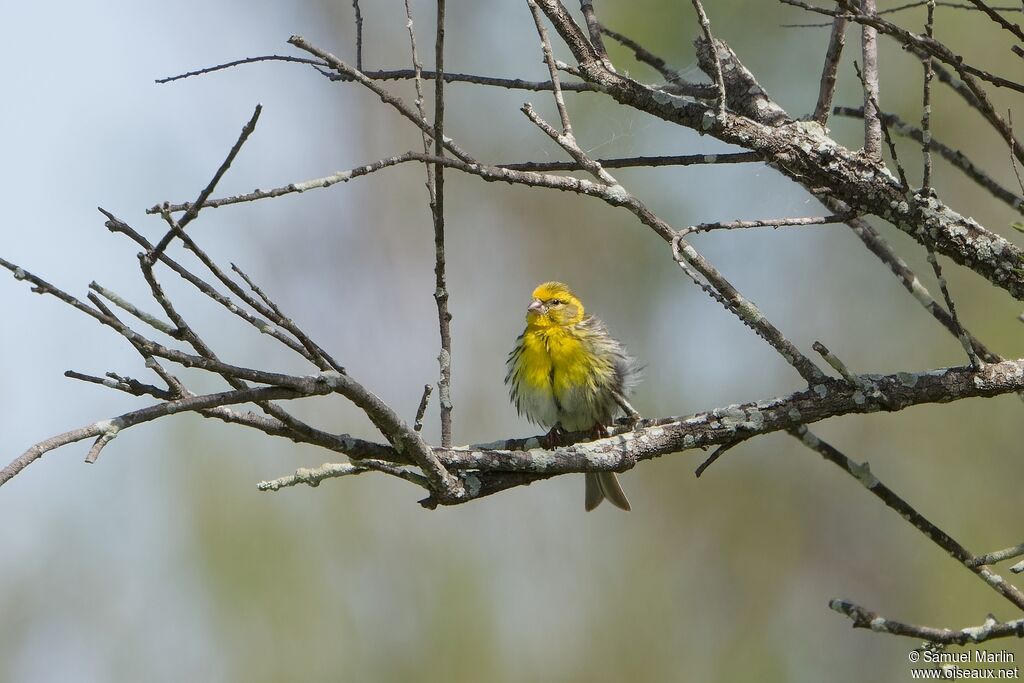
[
  {"x": 994, "y": 16},
  {"x": 715, "y": 455},
  {"x": 862, "y": 473},
  {"x": 999, "y": 555},
  {"x": 955, "y": 157},
  {"x": 977, "y": 99},
  {"x": 309, "y": 350},
  {"x": 926, "y": 108},
  {"x": 965, "y": 341},
  {"x": 129, "y": 307},
  {"x": 312, "y": 476},
  {"x": 148, "y": 414},
  {"x": 306, "y": 347},
  {"x": 863, "y": 618},
  {"x": 951, "y": 5},
  {"x": 422, "y": 408},
  {"x": 645, "y": 56},
  {"x": 533, "y": 166},
  {"x": 833, "y": 54},
  {"x": 197, "y": 205},
  {"x": 594, "y": 28},
  {"x": 444, "y": 317},
  {"x": 869, "y": 50},
  {"x": 125, "y": 384},
  {"x": 417, "y": 69},
  {"x": 386, "y": 97},
  {"x": 880, "y": 248},
  {"x": 910, "y": 5},
  {"x": 549, "y": 60},
  {"x": 314, "y": 352},
  {"x": 1013, "y": 159},
  {"x": 722, "y": 291},
  {"x": 639, "y": 162},
  {"x": 427, "y": 74},
  {"x": 716, "y": 64},
  {"x": 923, "y": 46},
  {"x": 359, "y": 34},
  {"x": 767, "y": 223},
  {"x": 904, "y": 184},
  {"x": 291, "y": 188},
  {"x": 115, "y": 224},
  {"x": 239, "y": 62},
  {"x": 837, "y": 365}
]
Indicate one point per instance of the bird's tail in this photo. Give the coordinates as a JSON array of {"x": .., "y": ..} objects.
[{"x": 601, "y": 485}]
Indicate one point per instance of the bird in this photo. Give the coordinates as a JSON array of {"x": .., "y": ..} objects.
[{"x": 568, "y": 374}]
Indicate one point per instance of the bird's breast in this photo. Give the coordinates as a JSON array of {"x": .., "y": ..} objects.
[{"x": 556, "y": 359}]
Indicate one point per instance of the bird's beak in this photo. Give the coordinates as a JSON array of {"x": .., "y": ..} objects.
[{"x": 536, "y": 306}]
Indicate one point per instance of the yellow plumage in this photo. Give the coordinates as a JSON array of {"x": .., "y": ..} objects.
[{"x": 567, "y": 373}]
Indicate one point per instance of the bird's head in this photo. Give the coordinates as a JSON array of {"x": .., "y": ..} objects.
[{"x": 554, "y": 305}]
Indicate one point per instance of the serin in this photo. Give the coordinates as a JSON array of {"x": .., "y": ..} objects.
[{"x": 566, "y": 373}]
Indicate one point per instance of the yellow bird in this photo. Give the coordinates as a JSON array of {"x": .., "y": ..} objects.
[{"x": 568, "y": 374}]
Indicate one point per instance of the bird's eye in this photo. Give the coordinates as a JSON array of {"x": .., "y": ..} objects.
[{"x": 556, "y": 302}]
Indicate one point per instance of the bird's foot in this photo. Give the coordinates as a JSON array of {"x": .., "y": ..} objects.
[
  {"x": 553, "y": 438},
  {"x": 634, "y": 421}
]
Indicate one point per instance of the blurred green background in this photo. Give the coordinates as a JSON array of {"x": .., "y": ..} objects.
[{"x": 163, "y": 562}]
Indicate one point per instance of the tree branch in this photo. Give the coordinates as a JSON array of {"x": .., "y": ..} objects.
[{"x": 991, "y": 629}]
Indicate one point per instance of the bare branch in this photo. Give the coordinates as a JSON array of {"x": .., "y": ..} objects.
[
  {"x": 594, "y": 27},
  {"x": 422, "y": 408},
  {"x": 473, "y": 79},
  {"x": 999, "y": 555},
  {"x": 441, "y": 294},
  {"x": 743, "y": 94},
  {"x": 913, "y": 41},
  {"x": 312, "y": 476},
  {"x": 955, "y": 157},
  {"x": 239, "y": 62},
  {"x": 639, "y": 162},
  {"x": 965, "y": 340},
  {"x": 837, "y": 365},
  {"x": 680, "y": 86},
  {"x": 828, "y": 72},
  {"x": 537, "y": 166},
  {"x": 197, "y": 205},
  {"x": 125, "y": 384},
  {"x": 975, "y": 97},
  {"x": 549, "y": 59},
  {"x": 862, "y": 473},
  {"x": 869, "y": 50},
  {"x": 130, "y": 308},
  {"x": 880, "y": 248},
  {"x": 359, "y": 34},
  {"x": 130, "y": 419},
  {"x": 997, "y": 18},
  {"x": 889, "y": 143},
  {"x": 387, "y": 98},
  {"x": 863, "y": 618},
  {"x": 290, "y": 188},
  {"x": 716, "y": 64},
  {"x": 805, "y": 154},
  {"x": 926, "y": 108},
  {"x": 767, "y": 223},
  {"x": 713, "y": 458}
]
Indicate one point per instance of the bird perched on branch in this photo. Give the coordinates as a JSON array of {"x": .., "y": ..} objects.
[{"x": 568, "y": 374}]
